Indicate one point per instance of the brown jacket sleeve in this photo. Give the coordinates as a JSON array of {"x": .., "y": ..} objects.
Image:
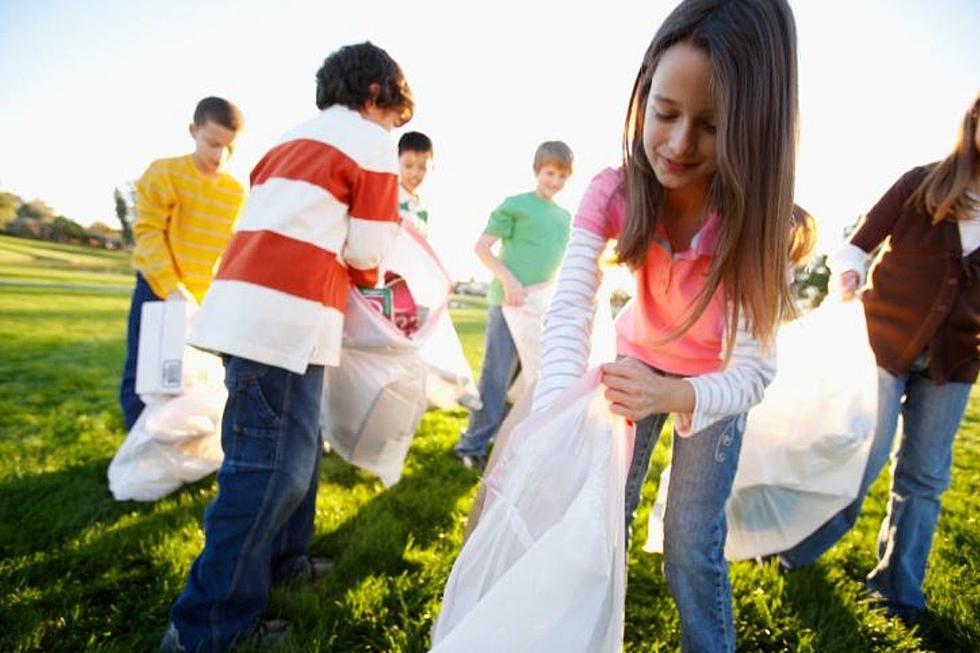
[{"x": 880, "y": 220}]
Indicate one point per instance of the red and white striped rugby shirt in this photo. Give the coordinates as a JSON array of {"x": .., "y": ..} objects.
[{"x": 322, "y": 212}]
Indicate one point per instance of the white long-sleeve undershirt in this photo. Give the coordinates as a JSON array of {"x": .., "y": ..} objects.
[{"x": 568, "y": 327}]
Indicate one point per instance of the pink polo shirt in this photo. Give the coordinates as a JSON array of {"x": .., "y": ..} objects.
[{"x": 667, "y": 286}]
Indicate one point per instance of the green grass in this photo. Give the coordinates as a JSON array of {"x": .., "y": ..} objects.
[
  {"x": 469, "y": 324},
  {"x": 32, "y": 262},
  {"x": 79, "y": 571},
  {"x": 33, "y": 253}
]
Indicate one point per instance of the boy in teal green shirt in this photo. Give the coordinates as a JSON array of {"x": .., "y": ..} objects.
[{"x": 533, "y": 233}]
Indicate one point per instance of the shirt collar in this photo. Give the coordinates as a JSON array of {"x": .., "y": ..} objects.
[{"x": 703, "y": 243}]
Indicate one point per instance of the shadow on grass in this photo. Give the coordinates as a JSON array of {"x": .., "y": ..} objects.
[
  {"x": 336, "y": 471},
  {"x": 829, "y": 605},
  {"x": 108, "y": 582},
  {"x": 40, "y": 511},
  {"x": 419, "y": 509},
  {"x": 82, "y": 571},
  {"x": 652, "y": 622},
  {"x": 944, "y": 634},
  {"x": 816, "y": 602},
  {"x": 392, "y": 557}
]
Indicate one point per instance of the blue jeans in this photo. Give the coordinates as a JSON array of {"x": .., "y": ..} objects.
[
  {"x": 129, "y": 401},
  {"x": 702, "y": 470},
  {"x": 500, "y": 362},
  {"x": 931, "y": 415},
  {"x": 258, "y": 527}
]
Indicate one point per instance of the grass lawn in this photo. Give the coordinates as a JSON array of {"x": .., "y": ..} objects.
[{"x": 79, "y": 571}]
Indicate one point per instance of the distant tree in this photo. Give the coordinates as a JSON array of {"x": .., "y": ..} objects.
[
  {"x": 103, "y": 235},
  {"x": 24, "y": 227},
  {"x": 618, "y": 299},
  {"x": 36, "y": 210},
  {"x": 63, "y": 230},
  {"x": 9, "y": 203},
  {"x": 102, "y": 229},
  {"x": 122, "y": 213},
  {"x": 810, "y": 283}
]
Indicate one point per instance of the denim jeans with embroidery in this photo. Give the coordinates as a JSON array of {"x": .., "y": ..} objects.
[
  {"x": 259, "y": 525},
  {"x": 702, "y": 469}
]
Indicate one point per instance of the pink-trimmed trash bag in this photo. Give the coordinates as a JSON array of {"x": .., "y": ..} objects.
[
  {"x": 544, "y": 570},
  {"x": 374, "y": 400}
]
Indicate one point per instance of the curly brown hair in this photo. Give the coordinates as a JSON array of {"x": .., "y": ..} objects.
[{"x": 361, "y": 73}]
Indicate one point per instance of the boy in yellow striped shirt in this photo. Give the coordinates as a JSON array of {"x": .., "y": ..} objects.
[{"x": 186, "y": 208}]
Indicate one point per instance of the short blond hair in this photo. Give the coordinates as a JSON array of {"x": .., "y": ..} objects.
[{"x": 555, "y": 153}]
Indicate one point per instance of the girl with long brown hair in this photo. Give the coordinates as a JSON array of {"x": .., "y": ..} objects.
[
  {"x": 923, "y": 311},
  {"x": 702, "y": 209}
]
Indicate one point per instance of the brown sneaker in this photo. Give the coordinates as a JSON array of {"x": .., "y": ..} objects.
[
  {"x": 305, "y": 569},
  {"x": 319, "y": 567},
  {"x": 270, "y": 632}
]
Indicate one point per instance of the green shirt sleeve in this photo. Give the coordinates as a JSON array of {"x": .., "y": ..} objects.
[{"x": 501, "y": 222}]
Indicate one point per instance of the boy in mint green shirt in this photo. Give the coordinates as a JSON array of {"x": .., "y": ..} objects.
[{"x": 533, "y": 233}]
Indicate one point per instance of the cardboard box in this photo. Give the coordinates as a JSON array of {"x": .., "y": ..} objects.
[{"x": 163, "y": 334}]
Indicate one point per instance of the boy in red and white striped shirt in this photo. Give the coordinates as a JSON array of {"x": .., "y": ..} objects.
[{"x": 322, "y": 212}]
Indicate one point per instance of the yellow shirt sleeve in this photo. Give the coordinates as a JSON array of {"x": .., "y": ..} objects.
[{"x": 155, "y": 204}]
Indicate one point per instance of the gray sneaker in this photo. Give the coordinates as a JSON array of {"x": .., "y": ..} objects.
[
  {"x": 470, "y": 401},
  {"x": 268, "y": 633},
  {"x": 472, "y": 461},
  {"x": 171, "y": 640}
]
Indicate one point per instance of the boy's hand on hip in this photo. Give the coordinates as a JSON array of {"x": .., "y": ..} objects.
[
  {"x": 514, "y": 293},
  {"x": 636, "y": 392}
]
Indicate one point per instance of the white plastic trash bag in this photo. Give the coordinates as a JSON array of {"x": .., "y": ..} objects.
[
  {"x": 449, "y": 379},
  {"x": 373, "y": 404},
  {"x": 375, "y": 398},
  {"x": 524, "y": 323},
  {"x": 544, "y": 570},
  {"x": 602, "y": 349},
  {"x": 806, "y": 444},
  {"x": 177, "y": 439}
]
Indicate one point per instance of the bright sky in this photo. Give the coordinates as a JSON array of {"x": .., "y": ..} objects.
[{"x": 92, "y": 91}]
